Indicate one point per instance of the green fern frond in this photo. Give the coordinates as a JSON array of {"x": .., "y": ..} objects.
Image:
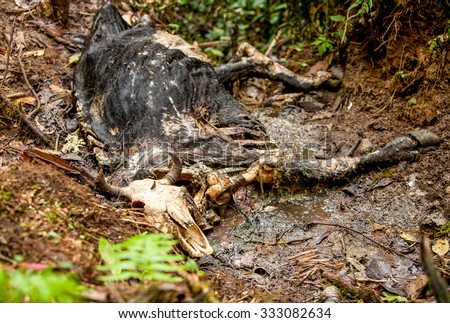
[
  {"x": 141, "y": 257},
  {"x": 44, "y": 286}
]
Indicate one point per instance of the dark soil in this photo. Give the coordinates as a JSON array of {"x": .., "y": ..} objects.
[{"x": 266, "y": 248}]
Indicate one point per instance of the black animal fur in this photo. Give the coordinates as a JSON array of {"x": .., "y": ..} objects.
[{"x": 136, "y": 94}]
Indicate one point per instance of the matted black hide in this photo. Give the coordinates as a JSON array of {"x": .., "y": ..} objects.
[{"x": 143, "y": 99}]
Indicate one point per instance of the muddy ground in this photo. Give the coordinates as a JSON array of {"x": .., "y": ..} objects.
[{"x": 286, "y": 244}]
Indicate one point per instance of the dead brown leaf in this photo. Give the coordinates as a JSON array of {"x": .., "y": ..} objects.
[
  {"x": 34, "y": 53},
  {"x": 30, "y": 100}
]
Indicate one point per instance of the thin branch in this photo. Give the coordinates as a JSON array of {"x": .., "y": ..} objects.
[
  {"x": 356, "y": 144},
  {"x": 367, "y": 237},
  {"x": 273, "y": 43},
  {"x": 31, "y": 126},
  {"x": 20, "y": 10},
  {"x": 274, "y": 243},
  {"x": 8, "y": 54},
  {"x": 38, "y": 102},
  {"x": 8, "y": 259},
  {"x": 213, "y": 43},
  {"x": 26, "y": 118}
]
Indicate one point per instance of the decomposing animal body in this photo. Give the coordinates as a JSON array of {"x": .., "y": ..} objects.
[{"x": 145, "y": 97}]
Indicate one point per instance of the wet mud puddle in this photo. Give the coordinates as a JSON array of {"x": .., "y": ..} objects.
[{"x": 283, "y": 248}]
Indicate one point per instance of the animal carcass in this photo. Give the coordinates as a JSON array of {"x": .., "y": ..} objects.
[{"x": 144, "y": 95}]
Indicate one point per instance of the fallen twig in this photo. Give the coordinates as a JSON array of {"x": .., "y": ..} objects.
[
  {"x": 32, "y": 127},
  {"x": 272, "y": 43},
  {"x": 306, "y": 252},
  {"x": 22, "y": 114},
  {"x": 20, "y": 10},
  {"x": 356, "y": 144},
  {"x": 17, "y": 95},
  {"x": 365, "y": 236},
  {"x": 12, "y": 261},
  {"x": 143, "y": 223},
  {"x": 38, "y": 102},
  {"x": 213, "y": 43},
  {"x": 7, "y": 142},
  {"x": 305, "y": 276},
  {"x": 54, "y": 32},
  {"x": 8, "y": 54},
  {"x": 273, "y": 243}
]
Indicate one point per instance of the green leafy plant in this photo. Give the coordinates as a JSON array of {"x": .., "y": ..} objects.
[
  {"x": 43, "y": 286},
  {"x": 192, "y": 266},
  {"x": 136, "y": 5},
  {"x": 361, "y": 7},
  {"x": 142, "y": 257},
  {"x": 213, "y": 53},
  {"x": 392, "y": 298},
  {"x": 324, "y": 45},
  {"x": 402, "y": 74},
  {"x": 412, "y": 101},
  {"x": 355, "y": 10},
  {"x": 222, "y": 24},
  {"x": 443, "y": 230},
  {"x": 439, "y": 44}
]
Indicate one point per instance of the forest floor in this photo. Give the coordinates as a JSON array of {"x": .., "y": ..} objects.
[{"x": 367, "y": 233}]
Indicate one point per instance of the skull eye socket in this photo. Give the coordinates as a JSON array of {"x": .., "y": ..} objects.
[{"x": 138, "y": 204}]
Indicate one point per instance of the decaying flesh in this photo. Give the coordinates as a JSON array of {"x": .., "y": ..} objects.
[{"x": 144, "y": 99}]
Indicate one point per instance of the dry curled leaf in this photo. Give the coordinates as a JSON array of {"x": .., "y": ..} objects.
[
  {"x": 59, "y": 91},
  {"x": 408, "y": 237},
  {"x": 27, "y": 100},
  {"x": 440, "y": 247},
  {"x": 415, "y": 288},
  {"x": 19, "y": 39}
]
